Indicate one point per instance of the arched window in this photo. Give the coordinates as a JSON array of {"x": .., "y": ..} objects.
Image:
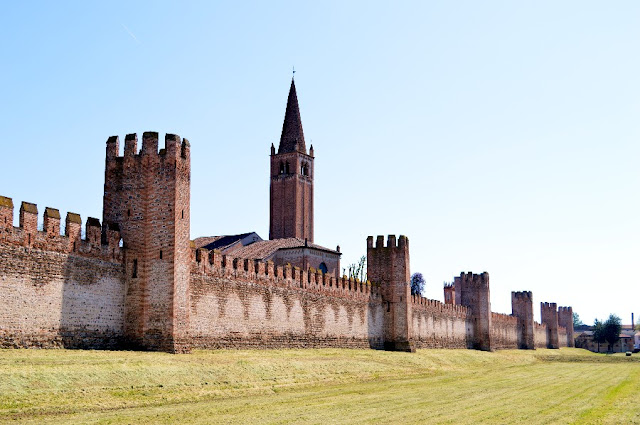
[
  {"x": 286, "y": 167},
  {"x": 323, "y": 268},
  {"x": 281, "y": 167}
]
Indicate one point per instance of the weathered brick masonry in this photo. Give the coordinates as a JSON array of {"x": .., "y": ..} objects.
[
  {"x": 59, "y": 290},
  {"x": 136, "y": 281}
]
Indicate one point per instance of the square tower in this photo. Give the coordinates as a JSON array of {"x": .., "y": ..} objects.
[{"x": 146, "y": 196}]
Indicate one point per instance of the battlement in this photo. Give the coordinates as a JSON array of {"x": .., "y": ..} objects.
[
  {"x": 565, "y": 310},
  {"x": 549, "y": 306},
  {"x": 214, "y": 263},
  {"x": 475, "y": 280},
  {"x": 174, "y": 147},
  {"x": 503, "y": 319},
  {"x": 99, "y": 242},
  {"x": 522, "y": 295},
  {"x": 402, "y": 242},
  {"x": 435, "y": 306}
]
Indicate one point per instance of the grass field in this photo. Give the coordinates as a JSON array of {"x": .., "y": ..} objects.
[{"x": 319, "y": 386}]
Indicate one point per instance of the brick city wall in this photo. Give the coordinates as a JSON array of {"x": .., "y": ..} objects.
[
  {"x": 58, "y": 291},
  {"x": 238, "y": 303},
  {"x": 159, "y": 293},
  {"x": 562, "y": 336},
  {"x": 539, "y": 335},
  {"x": 504, "y": 331},
  {"x": 439, "y": 325}
]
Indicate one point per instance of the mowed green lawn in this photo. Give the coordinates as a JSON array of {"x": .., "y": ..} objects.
[{"x": 319, "y": 386}]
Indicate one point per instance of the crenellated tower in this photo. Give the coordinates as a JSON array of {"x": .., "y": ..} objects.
[
  {"x": 146, "y": 196},
  {"x": 389, "y": 267},
  {"x": 449, "y": 293},
  {"x": 291, "y": 189},
  {"x": 522, "y": 308},
  {"x": 565, "y": 319},
  {"x": 549, "y": 317},
  {"x": 472, "y": 291}
]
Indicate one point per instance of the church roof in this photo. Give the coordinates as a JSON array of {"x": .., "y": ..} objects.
[
  {"x": 292, "y": 138},
  {"x": 262, "y": 250},
  {"x": 223, "y": 242}
]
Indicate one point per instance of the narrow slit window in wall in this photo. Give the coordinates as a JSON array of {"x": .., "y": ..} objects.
[
  {"x": 135, "y": 269},
  {"x": 161, "y": 254}
]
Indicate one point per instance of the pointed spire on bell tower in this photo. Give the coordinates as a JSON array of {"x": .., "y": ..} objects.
[
  {"x": 292, "y": 138},
  {"x": 291, "y": 188}
]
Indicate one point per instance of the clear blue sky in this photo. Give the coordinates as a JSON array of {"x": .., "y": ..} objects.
[{"x": 499, "y": 136}]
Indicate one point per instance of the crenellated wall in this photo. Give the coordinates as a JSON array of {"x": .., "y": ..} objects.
[
  {"x": 136, "y": 281},
  {"x": 540, "y": 335},
  {"x": 99, "y": 243},
  {"x": 59, "y": 290},
  {"x": 246, "y": 303},
  {"x": 504, "y": 331},
  {"x": 440, "y": 325},
  {"x": 562, "y": 336}
]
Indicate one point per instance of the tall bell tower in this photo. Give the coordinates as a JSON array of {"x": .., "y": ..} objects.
[{"x": 291, "y": 191}]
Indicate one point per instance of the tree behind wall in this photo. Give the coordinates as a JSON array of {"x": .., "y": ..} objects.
[
  {"x": 612, "y": 328},
  {"x": 417, "y": 284},
  {"x": 598, "y": 333},
  {"x": 576, "y": 320}
]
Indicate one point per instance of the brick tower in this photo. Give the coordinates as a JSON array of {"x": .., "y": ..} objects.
[
  {"x": 146, "y": 196},
  {"x": 388, "y": 266},
  {"x": 522, "y": 308},
  {"x": 473, "y": 290},
  {"x": 549, "y": 317},
  {"x": 291, "y": 196},
  {"x": 565, "y": 319}
]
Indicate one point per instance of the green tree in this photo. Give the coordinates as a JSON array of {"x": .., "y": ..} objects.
[
  {"x": 612, "y": 328},
  {"x": 417, "y": 284},
  {"x": 598, "y": 333},
  {"x": 576, "y": 320}
]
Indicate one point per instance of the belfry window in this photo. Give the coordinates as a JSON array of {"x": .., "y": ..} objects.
[
  {"x": 286, "y": 167},
  {"x": 281, "y": 167}
]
